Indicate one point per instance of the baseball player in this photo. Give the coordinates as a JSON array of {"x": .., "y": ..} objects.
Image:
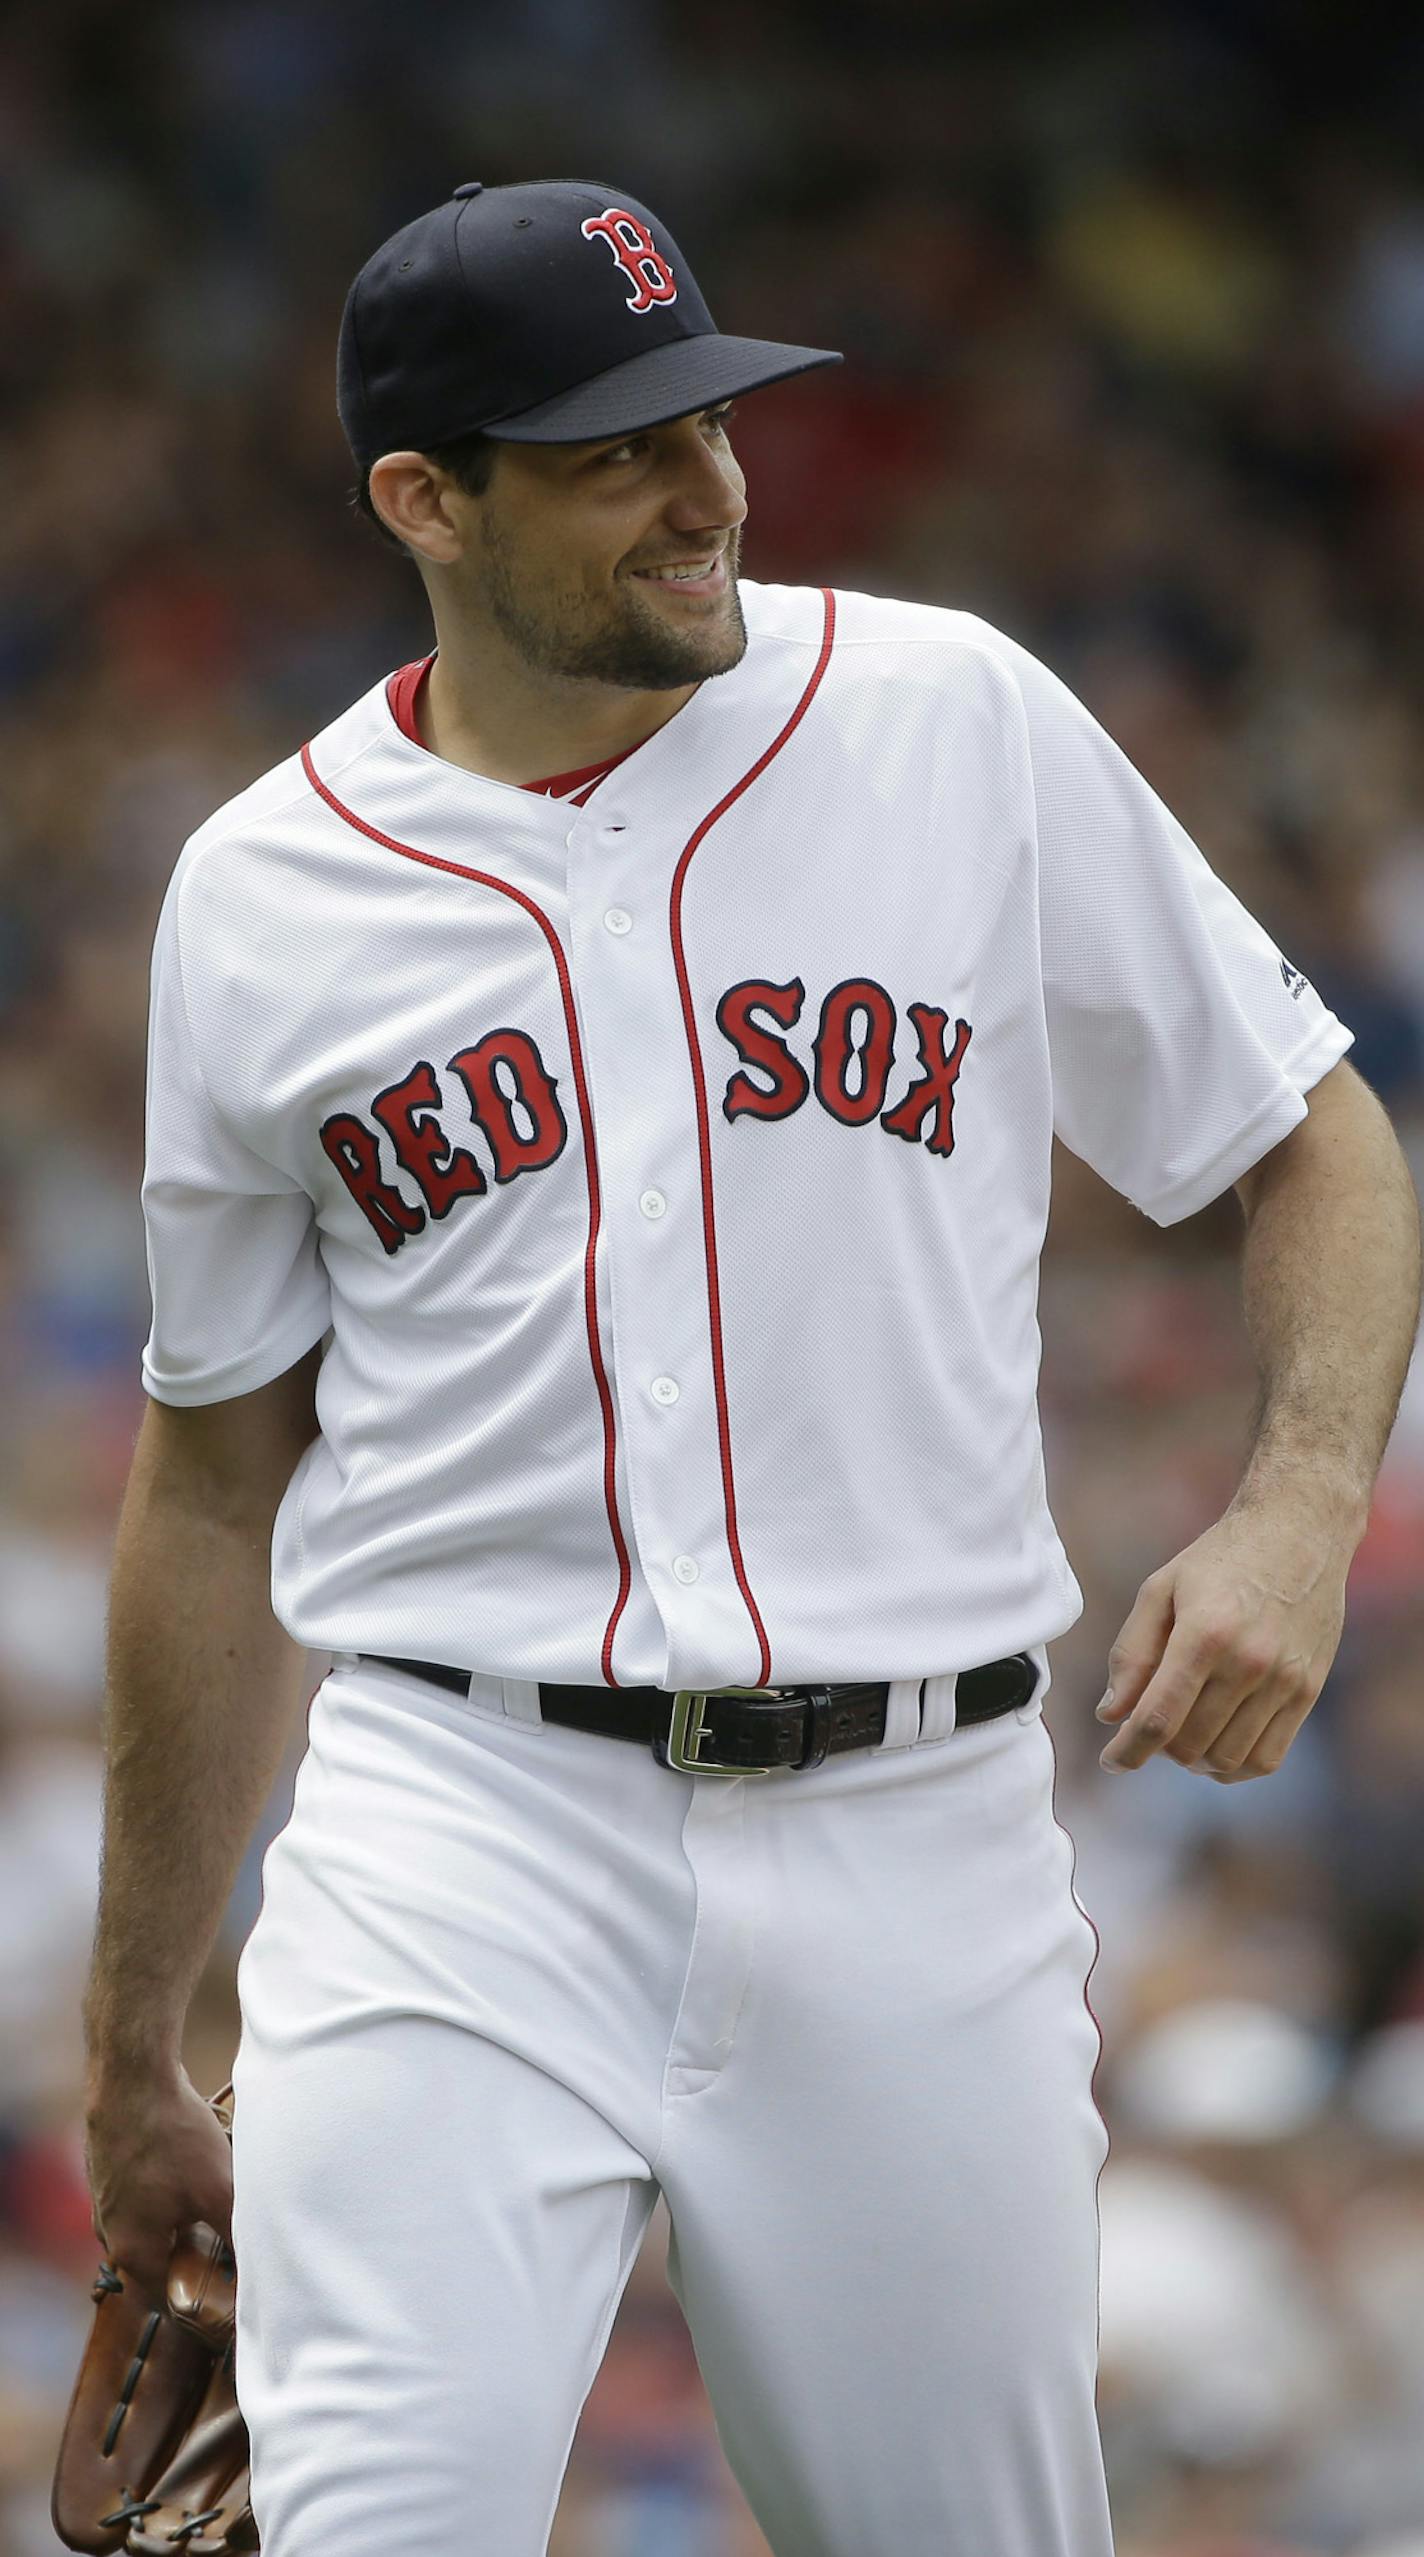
[{"x": 600, "y": 1103}]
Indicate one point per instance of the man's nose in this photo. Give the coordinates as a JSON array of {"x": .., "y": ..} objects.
[{"x": 710, "y": 491}]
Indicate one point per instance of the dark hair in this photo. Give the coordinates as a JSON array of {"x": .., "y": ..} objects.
[{"x": 470, "y": 461}]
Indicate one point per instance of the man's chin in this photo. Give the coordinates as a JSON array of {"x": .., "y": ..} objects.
[{"x": 678, "y": 644}]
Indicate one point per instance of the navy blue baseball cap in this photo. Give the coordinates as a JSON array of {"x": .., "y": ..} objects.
[{"x": 549, "y": 313}]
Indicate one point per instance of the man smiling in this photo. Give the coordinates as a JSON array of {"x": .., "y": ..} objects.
[
  {"x": 580, "y": 594},
  {"x": 602, "y": 1093},
  {"x": 581, "y": 552}
]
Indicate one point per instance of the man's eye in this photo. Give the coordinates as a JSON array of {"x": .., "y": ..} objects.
[{"x": 716, "y": 418}]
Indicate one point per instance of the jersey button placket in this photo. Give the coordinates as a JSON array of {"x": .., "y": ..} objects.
[{"x": 636, "y": 1047}]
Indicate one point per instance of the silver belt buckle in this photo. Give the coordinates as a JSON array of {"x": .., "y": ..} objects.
[{"x": 688, "y": 1727}]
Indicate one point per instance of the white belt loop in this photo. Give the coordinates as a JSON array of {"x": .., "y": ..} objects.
[
  {"x": 1031, "y": 1711},
  {"x": 520, "y": 1697},
  {"x": 902, "y": 1714},
  {"x": 937, "y": 1717}
]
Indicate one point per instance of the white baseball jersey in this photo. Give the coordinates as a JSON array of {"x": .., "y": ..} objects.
[{"x": 668, "y": 1163}]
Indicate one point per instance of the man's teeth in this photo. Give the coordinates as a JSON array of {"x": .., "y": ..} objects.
[{"x": 702, "y": 568}]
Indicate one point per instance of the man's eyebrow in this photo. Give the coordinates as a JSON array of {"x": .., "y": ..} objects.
[{"x": 599, "y": 443}]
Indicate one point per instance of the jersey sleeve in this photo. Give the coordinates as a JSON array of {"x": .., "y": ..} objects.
[
  {"x": 1182, "y": 1042},
  {"x": 238, "y": 1289}
]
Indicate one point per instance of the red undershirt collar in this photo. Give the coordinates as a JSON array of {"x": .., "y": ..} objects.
[{"x": 403, "y": 691}]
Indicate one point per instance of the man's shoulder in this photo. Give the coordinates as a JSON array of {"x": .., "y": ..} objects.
[
  {"x": 887, "y": 626},
  {"x": 272, "y": 814}
]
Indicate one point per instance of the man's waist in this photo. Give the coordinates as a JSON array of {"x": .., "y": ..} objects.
[{"x": 745, "y": 1730}]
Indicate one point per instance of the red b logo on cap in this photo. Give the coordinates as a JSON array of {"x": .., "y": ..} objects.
[{"x": 634, "y": 250}]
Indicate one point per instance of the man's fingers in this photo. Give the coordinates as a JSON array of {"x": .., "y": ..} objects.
[
  {"x": 1229, "y": 1623},
  {"x": 143, "y": 2261},
  {"x": 1225, "y": 1724},
  {"x": 1267, "y": 1748},
  {"x": 1165, "y": 1701},
  {"x": 1138, "y": 1648}
]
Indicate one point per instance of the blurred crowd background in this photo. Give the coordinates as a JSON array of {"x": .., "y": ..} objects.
[{"x": 1134, "y": 310}]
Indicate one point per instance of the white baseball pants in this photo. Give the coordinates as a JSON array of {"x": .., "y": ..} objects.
[{"x": 509, "y": 1980}]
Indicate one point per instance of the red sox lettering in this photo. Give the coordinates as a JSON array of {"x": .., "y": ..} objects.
[
  {"x": 513, "y": 1098},
  {"x": 520, "y": 1115},
  {"x": 852, "y": 1055}
]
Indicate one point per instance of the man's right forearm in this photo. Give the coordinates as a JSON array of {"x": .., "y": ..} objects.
[{"x": 202, "y": 1694}]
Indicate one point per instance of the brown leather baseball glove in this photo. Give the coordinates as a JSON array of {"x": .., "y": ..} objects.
[{"x": 154, "y": 2452}]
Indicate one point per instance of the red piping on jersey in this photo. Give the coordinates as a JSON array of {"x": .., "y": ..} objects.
[
  {"x": 483, "y": 879},
  {"x": 704, "y": 1140}
]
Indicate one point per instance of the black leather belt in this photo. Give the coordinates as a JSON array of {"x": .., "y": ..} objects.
[{"x": 747, "y": 1731}]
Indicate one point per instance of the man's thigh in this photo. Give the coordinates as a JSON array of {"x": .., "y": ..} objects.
[
  {"x": 883, "y": 2203},
  {"x": 432, "y": 2238},
  {"x": 455, "y": 2002}
]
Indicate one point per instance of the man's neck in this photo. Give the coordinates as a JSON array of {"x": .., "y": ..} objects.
[{"x": 510, "y": 735}]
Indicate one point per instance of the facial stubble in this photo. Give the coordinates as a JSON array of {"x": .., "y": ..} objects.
[{"x": 635, "y": 647}]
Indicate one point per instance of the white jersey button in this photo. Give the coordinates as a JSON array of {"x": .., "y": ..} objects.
[
  {"x": 665, "y": 1389},
  {"x": 686, "y": 1570},
  {"x": 616, "y": 920},
  {"x": 653, "y": 1203}
]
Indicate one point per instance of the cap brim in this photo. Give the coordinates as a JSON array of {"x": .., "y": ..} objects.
[{"x": 672, "y": 380}]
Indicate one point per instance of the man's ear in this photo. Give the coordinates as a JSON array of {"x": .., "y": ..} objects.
[{"x": 411, "y": 494}]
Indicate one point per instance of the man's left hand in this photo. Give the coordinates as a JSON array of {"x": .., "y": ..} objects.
[{"x": 1228, "y": 1646}]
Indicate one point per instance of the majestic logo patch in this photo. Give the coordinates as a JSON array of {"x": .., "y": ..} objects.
[
  {"x": 635, "y": 250},
  {"x": 852, "y": 1058},
  {"x": 1295, "y": 984}
]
